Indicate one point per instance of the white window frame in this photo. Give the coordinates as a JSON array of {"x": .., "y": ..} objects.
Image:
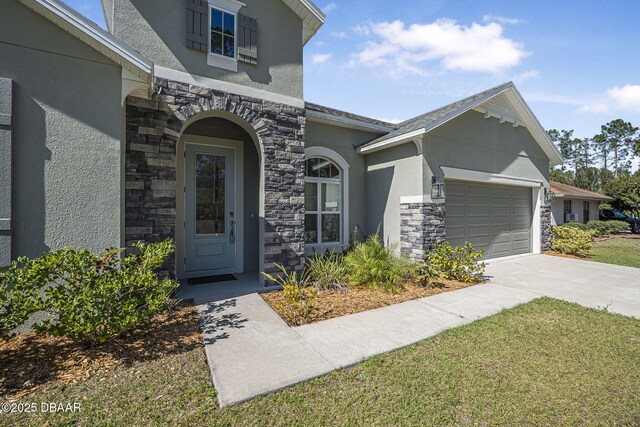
[
  {"x": 221, "y": 61},
  {"x": 343, "y": 212}
]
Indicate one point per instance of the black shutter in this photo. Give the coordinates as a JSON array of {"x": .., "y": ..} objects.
[
  {"x": 197, "y": 25},
  {"x": 247, "y": 39}
]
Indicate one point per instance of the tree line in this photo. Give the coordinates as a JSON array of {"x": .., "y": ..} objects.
[
  {"x": 591, "y": 163},
  {"x": 602, "y": 163}
]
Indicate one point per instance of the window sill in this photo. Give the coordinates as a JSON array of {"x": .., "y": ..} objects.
[{"x": 223, "y": 62}]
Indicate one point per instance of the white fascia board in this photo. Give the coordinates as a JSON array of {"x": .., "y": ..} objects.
[
  {"x": 311, "y": 15},
  {"x": 330, "y": 119},
  {"x": 486, "y": 177},
  {"x": 85, "y": 30},
  {"x": 392, "y": 142},
  {"x": 543, "y": 138},
  {"x": 315, "y": 10},
  {"x": 180, "y": 76}
]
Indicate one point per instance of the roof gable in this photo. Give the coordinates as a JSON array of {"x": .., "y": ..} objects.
[
  {"x": 503, "y": 102},
  {"x": 311, "y": 15},
  {"x": 91, "y": 34}
]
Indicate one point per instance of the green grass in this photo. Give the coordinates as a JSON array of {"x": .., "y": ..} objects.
[
  {"x": 543, "y": 363},
  {"x": 617, "y": 251}
]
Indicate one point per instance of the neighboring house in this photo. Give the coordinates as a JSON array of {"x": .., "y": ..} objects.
[
  {"x": 187, "y": 121},
  {"x": 573, "y": 204}
]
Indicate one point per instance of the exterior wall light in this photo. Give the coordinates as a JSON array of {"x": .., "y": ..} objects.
[
  {"x": 548, "y": 196},
  {"x": 437, "y": 188}
]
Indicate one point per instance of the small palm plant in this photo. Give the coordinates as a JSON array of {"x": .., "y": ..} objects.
[
  {"x": 298, "y": 298},
  {"x": 376, "y": 266}
]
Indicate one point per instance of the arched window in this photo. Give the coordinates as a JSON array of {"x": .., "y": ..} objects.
[{"x": 324, "y": 224}]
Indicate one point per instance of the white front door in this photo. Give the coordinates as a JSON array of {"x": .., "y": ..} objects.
[{"x": 210, "y": 233}]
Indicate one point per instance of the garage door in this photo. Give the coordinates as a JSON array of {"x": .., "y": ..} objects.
[{"x": 495, "y": 218}]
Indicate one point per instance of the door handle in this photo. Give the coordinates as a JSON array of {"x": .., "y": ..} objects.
[{"x": 232, "y": 230}]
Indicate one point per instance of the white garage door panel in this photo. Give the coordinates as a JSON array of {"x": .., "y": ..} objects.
[{"x": 495, "y": 218}]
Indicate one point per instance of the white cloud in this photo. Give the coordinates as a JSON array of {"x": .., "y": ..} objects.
[
  {"x": 527, "y": 75},
  {"x": 328, "y": 8},
  {"x": 402, "y": 50},
  {"x": 339, "y": 34},
  {"x": 624, "y": 98},
  {"x": 500, "y": 19},
  {"x": 320, "y": 58},
  {"x": 362, "y": 29}
]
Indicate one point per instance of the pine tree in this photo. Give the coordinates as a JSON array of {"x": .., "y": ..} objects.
[{"x": 619, "y": 137}]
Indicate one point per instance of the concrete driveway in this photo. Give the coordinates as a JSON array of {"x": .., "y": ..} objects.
[{"x": 590, "y": 284}]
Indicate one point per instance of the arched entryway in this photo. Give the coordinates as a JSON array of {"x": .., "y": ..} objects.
[
  {"x": 157, "y": 130},
  {"x": 219, "y": 177}
]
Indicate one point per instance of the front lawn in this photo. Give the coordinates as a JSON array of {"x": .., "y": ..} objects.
[
  {"x": 543, "y": 363},
  {"x": 618, "y": 251}
]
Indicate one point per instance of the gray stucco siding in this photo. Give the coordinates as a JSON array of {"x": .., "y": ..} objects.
[
  {"x": 467, "y": 142},
  {"x": 66, "y": 136},
  {"x": 157, "y": 31},
  {"x": 475, "y": 143},
  {"x": 342, "y": 140},
  {"x": 391, "y": 175}
]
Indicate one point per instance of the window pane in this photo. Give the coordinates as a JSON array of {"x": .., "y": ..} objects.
[
  {"x": 216, "y": 43},
  {"x": 229, "y": 47},
  {"x": 311, "y": 196},
  {"x": 311, "y": 228},
  {"x": 331, "y": 197},
  {"x": 330, "y": 228},
  {"x": 216, "y": 20},
  {"x": 229, "y": 25},
  {"x": 321, "y": 168},
  {"x": 210, "y": 194}
]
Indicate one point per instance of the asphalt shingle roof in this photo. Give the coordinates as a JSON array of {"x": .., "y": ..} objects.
[
  {"x": 339, "y": 113},
  {"x": 441, "y": 115},
  {"x": 570, "y": 191}
]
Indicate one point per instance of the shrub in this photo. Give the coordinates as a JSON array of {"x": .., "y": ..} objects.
[
  {"x": 577, "y": 225},
  {"x": 617, "y": 227},
  {"x": 298, "y": 298},
  {"x": 93, "y": 298},
  {"x": 20, "y": 287},
  {"x": 86, "y": 297},
  {"x": 328, "y": 271},
  {"x": 601, "y": 228},
  {"x": 375, "y": 266},
  {"x": 457, "y": 263},
  {"x": 572, "y": 241}
]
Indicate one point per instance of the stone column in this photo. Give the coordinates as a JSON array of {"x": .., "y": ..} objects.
[
  {"x": 422, "y": 227},
  {"x": 546, "y": 237}
]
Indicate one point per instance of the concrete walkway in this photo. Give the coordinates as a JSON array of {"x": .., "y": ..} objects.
[{"x": 251, "y": 351}]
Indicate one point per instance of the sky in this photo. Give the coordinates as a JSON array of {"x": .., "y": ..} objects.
[{"x": 575, "y": 62}]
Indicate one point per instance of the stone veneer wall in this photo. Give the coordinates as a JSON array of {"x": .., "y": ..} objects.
[
  {"x": 422, "y": 226},
  {"x": 546, "y": 237},
  {"x": 152, "y": 133}
]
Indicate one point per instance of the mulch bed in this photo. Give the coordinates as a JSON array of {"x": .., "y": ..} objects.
[
  {"x": 31, "y": 363},
  {"x": 331, "y": 304}
]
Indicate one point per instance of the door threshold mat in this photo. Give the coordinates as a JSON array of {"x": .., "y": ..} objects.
[{"x": 211, "y": 279}]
